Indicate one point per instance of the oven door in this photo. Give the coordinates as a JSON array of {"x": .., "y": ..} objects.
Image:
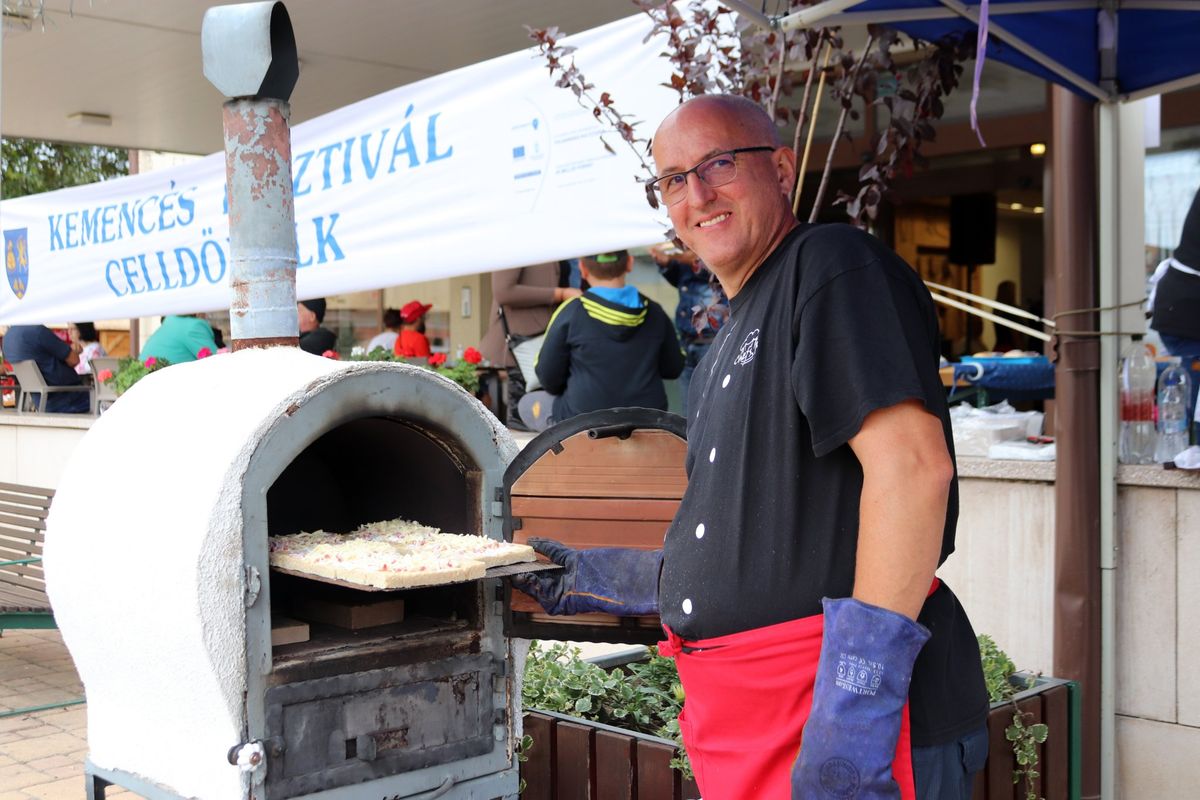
[{"x": 611, "y": 478}]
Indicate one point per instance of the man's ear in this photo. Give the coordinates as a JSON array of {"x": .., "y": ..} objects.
[
  {"x": 629, "y": 262},
  {"x": 583, "y": 272},
  {"x": 785, "y": 165}
]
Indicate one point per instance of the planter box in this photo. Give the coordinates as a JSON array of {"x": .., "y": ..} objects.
[
  {"x": 1056, "y": 703},
  {"x": 576, "y": 758}
]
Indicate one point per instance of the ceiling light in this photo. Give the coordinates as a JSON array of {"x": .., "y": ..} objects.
[
  {"x": 1038, "y": 210},
  {"x": 1037, "y": 149},
  {"x": 83, "y": 118},
  {"x": 1016, "y": 206}
]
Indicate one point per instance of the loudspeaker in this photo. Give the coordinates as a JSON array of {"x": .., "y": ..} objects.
[{"x": 973, "y": 229}]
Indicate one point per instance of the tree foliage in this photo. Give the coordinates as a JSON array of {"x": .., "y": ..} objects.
[
  {"x": 32, "y": 166},
  {"x": 712, "y": 52}
]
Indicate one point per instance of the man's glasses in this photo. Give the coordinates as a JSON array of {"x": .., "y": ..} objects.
[{"x": 716, "y": 171}]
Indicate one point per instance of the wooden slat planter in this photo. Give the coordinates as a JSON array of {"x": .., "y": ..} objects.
[
  {"x": 1056, "y": 703},
  {"x": 574, "y": 758}
]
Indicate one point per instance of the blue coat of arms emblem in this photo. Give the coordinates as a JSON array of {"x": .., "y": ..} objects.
[{"x": 16, "y": 259}]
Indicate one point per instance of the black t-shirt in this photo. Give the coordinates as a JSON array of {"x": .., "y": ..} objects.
[{"x": 832, "y": 326}]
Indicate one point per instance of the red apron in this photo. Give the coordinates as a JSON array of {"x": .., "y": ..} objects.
[{"x": 748, "y": 696}]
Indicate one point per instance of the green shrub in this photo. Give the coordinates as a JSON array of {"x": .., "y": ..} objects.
[
  {"x": 999, "y": 673},
  {"x": 646, "y": 697}
]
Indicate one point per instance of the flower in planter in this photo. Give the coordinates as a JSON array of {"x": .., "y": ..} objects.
[
  {"x": 130, "y": 371},
  {"x": 203, "y": 352},
  {"x": 461, "y": 372}
]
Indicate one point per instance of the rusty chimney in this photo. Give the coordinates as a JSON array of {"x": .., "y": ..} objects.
[{"x": 250, "y": 56}]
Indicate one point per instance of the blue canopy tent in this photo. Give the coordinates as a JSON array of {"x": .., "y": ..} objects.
[{"x": 1110, "y": 52}]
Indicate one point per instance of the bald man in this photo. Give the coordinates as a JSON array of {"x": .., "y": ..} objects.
[{"x": 820, "y": 656}]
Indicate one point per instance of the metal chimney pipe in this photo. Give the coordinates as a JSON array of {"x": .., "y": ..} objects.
[{"x": 250, "y": 56}]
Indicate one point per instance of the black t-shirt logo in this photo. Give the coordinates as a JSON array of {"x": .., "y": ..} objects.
[{"x": 748, "y": 349}]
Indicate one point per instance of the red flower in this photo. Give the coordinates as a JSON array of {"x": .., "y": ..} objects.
[
  {"x": 472, "y": 356},
  {"x": 437, "y": 359},
  {"x": 331, "y": 354},
  {"x": 104, "y": 375},
  {"x": 151, "y": 361},
  {"x": 204, "y": 352}
]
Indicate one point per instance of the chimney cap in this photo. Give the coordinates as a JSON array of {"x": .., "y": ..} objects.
[{"x": 249, "y": 50}]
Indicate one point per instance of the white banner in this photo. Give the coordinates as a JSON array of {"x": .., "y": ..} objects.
[{"x": 487, "y": 167}]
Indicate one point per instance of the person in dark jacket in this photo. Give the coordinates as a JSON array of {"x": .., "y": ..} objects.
[
  {"x": 609, "y": 348},
  {"x": 314, "y": 338},
  {"x": 1175, "y": 297},
  {"x": 55, "y": 358}
]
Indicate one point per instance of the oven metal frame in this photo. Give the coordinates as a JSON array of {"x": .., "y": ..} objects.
[
  {"x": 618, "y": 422},
  {"x": 438, "y": 409}
]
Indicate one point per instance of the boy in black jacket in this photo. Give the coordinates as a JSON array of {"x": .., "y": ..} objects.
[{"x": 610, "y": 348}]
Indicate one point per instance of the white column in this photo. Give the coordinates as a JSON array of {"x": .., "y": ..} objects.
[{"x": 1121, "y": 231}]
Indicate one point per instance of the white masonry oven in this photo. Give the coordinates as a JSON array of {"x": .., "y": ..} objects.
[{"x": 157, "y": 569}]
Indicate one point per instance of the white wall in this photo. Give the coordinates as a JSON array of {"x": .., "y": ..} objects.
[
  {"x": 1003, "y": 572},
  {"x": 34, "y": 450}
]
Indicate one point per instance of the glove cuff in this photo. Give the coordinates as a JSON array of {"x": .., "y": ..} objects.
[{"x": 870, "y": 650}]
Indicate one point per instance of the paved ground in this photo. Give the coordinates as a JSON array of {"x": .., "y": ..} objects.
[{"x": 41, "y": 753}]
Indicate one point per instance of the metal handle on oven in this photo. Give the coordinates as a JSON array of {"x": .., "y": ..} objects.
[{"x": 621, "y": 431}]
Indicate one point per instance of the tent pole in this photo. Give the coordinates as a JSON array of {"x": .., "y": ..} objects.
[
  {"x": 1122, "y": 279},
  {"x": 1071, "y": 217}
]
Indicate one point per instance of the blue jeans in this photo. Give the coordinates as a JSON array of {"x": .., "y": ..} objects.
[
  {"x": 692, "y": 353},
  {"x": 1189, "y": 351},
  {"x": 947, "y": 771}
]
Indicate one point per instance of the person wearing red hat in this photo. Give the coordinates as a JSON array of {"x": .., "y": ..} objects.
[{"x": 411, "y": 343}]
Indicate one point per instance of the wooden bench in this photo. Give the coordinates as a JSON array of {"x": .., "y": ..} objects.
[{"x": 23, "y": 600}]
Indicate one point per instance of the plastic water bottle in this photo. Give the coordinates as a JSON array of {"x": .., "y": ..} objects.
[
  {"x": 1137, "y": 405},
  {"x": 1174, "y": 389}
]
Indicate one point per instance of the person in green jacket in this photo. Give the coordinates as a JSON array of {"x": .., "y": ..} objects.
[{"x": 180, "y": 338}]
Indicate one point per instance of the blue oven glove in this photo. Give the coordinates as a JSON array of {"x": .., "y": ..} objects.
[
  {"x": 612, "y": 580},
  {"x": 849, "y": 741}
]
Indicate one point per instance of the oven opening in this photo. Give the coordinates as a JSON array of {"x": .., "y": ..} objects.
[{"x": 364, "y": 471}]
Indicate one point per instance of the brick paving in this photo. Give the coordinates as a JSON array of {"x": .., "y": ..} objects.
[{"x": 42, "y": 752}]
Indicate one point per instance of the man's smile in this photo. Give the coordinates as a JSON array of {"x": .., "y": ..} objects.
[{"x": 708, "y": 223}]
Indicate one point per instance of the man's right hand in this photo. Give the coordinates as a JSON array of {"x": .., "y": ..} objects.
[{"x": 609, "y": 580}]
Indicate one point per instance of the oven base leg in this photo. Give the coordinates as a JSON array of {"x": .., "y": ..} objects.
[{"x": 95, "y": 786}]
